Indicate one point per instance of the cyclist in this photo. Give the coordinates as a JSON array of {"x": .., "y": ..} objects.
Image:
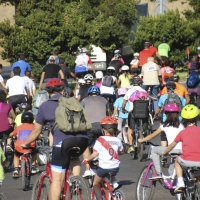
[
  {"x": 56, "y": 54},
  {"x": 117, "y": 53},
  {"x": 190, "y": 138},
  {"x": 83, "y": 91},
  {"x": 124, "y": 78},
  {"x": 154, "y": 50},
  {"x": 136, "y": 82},
  {"x": 78, "y": 85},
  {"x": 171, "y": 127},
  {"x": 23, "y": 107},
  {"x": 170, "y": 87},
  {"x": 99, "y": 76},
  {"x": 17, "y": 88},
  {"x": 94, "y": 102},
  {"x": 116, "y": 63},
  {"x": 22, "y": 132},
  {"x": 163, "y": 49},
  {"x": 82, "y": 61},
  {"x": 135, "y": 64},
  {"x": 60, "y": 160},
  {"x": 107, "y": 148}
]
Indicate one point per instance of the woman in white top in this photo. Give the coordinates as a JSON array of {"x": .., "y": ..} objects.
[
  {"x": 135, "y": 64},
  {"x": 171, "y": 127}
]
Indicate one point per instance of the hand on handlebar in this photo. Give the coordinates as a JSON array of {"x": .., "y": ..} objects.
[
  {"x": 85, "y": 161},
  {"x": 140, "y": 140},
  {"x": 26, "y": 146}
]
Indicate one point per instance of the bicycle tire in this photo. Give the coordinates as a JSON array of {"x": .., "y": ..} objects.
[
  {"x": 149, "y": 185},
  {"x": 119, "y": 195},
  {"x": 79, "y": 189},
  {"x": 45, "y": 191},
  {"x": 25, "y": 177},
  {"x": 2, "y": 196},
  {"x": 9, "y": 156},
  {"x": 140, "y": 148}
]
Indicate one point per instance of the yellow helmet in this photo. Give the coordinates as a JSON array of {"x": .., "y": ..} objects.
[{"x": 189, "y": 111}]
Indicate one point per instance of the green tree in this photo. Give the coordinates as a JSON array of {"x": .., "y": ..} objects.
[{"x": 45, "y": 25}]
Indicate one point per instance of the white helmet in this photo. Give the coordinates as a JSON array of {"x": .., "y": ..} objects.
[
  {"x": 111, "y": 68},
  {"x": 88, "y": 77},
  {"x": 83, "y": 50},
  {"x": 136, "y": 54},
  {"x": 80, "y": 80},
  {"x": 125, "y": 67},
  {"x": 99, "y": 74}
]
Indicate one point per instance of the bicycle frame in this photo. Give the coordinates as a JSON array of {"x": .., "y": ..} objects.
[{"x": 27, "y": 159}]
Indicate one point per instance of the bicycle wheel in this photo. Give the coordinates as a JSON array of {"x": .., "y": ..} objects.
[
  {"x": 43, "y": 194},
  {"x": 145, "y": 188},
  {"x": 25, "y": 177},
  {"x": 9, "y": 156},
  {"x": 140, "y": 148},
  {"x": 119, "y": 195},
  {"x": 2, "y": 196},
  {"x": 79, "y": 189}
]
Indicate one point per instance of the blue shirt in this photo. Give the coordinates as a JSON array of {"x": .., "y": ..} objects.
[
  {"x": 162, "y": 100},
  {"x": 118, "y": 105},
  {"x": 23, "y": 66}
]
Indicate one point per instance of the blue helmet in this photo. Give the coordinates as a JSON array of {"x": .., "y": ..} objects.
[{"x": 93, "y": 90}]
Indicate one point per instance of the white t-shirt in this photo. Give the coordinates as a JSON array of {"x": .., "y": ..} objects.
[
  {"x": 108, "y": 90},
  {"x": 16, "y": 86},
  {"x": 30, "y": 84},
  {"x": 130, "y": 92},
  {"x": 1, "y": 78},
  {"x": 171, "y": 133},
  {"x": 82, "y": 60},
  {"x": 108, "y": 148}
]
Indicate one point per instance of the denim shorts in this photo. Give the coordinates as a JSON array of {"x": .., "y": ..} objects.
[{"x": 103, "y": 172}]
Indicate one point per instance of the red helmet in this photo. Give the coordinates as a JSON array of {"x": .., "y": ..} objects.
[
  {"x": 54, "y": 82},
  {"x": 109, "y": 122}
]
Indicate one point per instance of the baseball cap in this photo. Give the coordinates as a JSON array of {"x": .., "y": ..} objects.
[
  {"x": 52, "y": 58},
  {"x": 84, "y": 50}
]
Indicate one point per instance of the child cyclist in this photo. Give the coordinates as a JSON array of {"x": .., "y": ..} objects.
[
  {"x": 190, "y": 138},
  {"x": 22, "y": 132},
  {"x": 107, "y": 148},
  {"x": 171, "y": 127},
  {"x": 23, "y": 107}
]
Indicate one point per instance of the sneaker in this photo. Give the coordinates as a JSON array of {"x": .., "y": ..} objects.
[
  {"x": 16, "y": 173},
  {"x": 156, "y": 176},
  {"x": 9, "y": 148},
  {"x": 87, "y": 173},
  {"x": 33, "y": 170},
  {"x": 131, "y": 149},
  {"x": 116, "y": 186},
  {"x": 179, "y": 187}
]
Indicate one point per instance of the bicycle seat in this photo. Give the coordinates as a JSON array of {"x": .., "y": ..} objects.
[
  {"x": 174, "y": 155},
  {"x": 193, "y": 168},
  {"x": 74, "y": 150}
]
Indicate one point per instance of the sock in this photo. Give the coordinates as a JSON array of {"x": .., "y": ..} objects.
[
  {"x": 180, "y": 179},
  {"x": 115, "y": 184}
]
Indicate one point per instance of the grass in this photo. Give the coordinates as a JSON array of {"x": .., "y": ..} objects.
[{"x": 183, "y": 75}]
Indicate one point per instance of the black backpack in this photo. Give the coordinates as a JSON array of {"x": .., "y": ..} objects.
[{"x": 107, "y": 81}]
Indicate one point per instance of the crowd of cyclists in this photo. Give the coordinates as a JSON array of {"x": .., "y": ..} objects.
[{"x": 108, "y": 99}]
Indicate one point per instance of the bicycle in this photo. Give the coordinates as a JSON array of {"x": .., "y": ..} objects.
[
  {"x": 74, "y": 186},
  {"x": 145, "y": 187},
  {"x": 108, "y": 192}
]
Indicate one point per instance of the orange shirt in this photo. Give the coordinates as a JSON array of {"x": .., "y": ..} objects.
[
  {"x": 180, "y": 89},
  {"x": 23, "y": 131},
  {"x": 144, "y": 54}
]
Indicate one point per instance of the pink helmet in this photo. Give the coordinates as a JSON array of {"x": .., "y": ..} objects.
[
  {"x": 122, "y": 91},
  {"x": 142, "y": 94},
  {"x": 171, "y": 108},
  {"x": 138, "y": 95}
]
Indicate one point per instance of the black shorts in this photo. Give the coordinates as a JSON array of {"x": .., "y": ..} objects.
[
  {"x": 17, "y": 99},
  {"x": 94, "y": 133},
  {"x": 103, "y": 172},
  {"x": 18, "y": 154},
  {"x": 135, "y": 71},
  {"x": 81, "y": 74},
  {"x": 60, "y": 157},
  {"x": 6, "y": 133},
  {"x": 163, "y": 136}
]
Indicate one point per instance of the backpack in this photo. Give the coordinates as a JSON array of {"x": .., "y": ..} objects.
[
  {"x": 70, "y": 116},
  {"x": 107, "y": 81},
  {"x": 39, "y": 98},
  {"x": 173, "y": 99},
  {"x": 193, "y": 79},
  {"x": 167, "y": 73}
]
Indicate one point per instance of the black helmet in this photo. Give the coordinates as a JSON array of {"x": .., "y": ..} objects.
[
  {"x": 170, "y": 85},
  {"x": 27, "y": 117},
  {"x": 164, "y": 39}
]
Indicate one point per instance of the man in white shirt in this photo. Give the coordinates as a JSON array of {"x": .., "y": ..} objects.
[
  {"x": 17, "y": 89},
  {"x": 1, "y": 78}
]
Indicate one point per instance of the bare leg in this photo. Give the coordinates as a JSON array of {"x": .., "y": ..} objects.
[
  {"x": 50, "y": 139},
  {"x": 164, "y": 143},
  {"x": 178, "y": 168},
  {"x": 130, "y": 136},
  {"x": 86, "y": 155},
  {"x": 97, "y": 187},
  {"x": 75, "y": 165},
  {"x": 16, "y": 161}
]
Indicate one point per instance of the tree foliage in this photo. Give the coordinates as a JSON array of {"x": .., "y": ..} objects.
[{"x": 45, "y": 25}]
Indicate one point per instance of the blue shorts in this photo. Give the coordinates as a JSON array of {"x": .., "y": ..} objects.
[{"x": 103, "y": 172}]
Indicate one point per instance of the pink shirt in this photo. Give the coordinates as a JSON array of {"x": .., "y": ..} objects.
[
  {"x": 99, "y": 84},
  {"x": 121, "y": 59},
  {"x": 4, "y": 111},
  {"x": 162, "y": 74}
]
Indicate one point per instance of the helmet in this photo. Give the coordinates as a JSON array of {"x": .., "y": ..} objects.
[
  {"x": 125, "y": 68},
  {"x": 83, "y": 50},
  {"x": 136, "y": 54},
  {"x": 68, "y": 93},
  {"x": 146, "y": 44},
  {"x": 189, "y": 111},
  {"x": 111, "y": 68},
  {"x": 54, "y": 82},
  {"x": 93, "y": 90},
  {"x": 175, "y": 76},
  {"x": 171, "y": 108},
  {"x": 136, "y": 81},
  {"x": 117, "y": 55},
  {"x": 109, "y": 122},
  {"x": 27, "y": 117},
  {"x": 88, "y": 78},
  {"x": 117, "y": 51},
  {"x": 170, "y": 85},
  {"x": 122, "y": 91},
  {"x": 81, "y": 81},
  {"x": 142, "y": 94},
  {"x": 24, "y": 106},
  {"x": 99, "y": 74},
  {"x": 164, "y": 39}
]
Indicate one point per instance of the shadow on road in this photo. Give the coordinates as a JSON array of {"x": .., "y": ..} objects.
[{"x": 126, "y": 182}]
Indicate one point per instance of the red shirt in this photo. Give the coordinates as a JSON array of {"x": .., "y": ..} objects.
[
  {"x": 89, "y": 61},
  {"x": 153, "y": 50},
  {"x": 190, "y": 138},
  {"x": 144, "y": 54},
  {"x": 23, "y": 131}
]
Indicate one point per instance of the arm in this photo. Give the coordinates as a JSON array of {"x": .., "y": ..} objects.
[
  {"x": 169, "y": 148},
  {"x": 12, "y": 113},
  {"x": 187, "y": 98},
  {"x": 11, "y": 74},
  {"x": 115, "y": 111},
  {"x": 118, "y": 82},
  {"x": 92, "y": 156},
  {"x": 3, "y": 85},
  {"x": 124, "y": 104},
  {"x": 42, "y": 79},
  {"x": 151, "y": 136},
  {"x": 61, "y": 74},
  {"x": 157, "y": 111},
  {"x": 32, "y": 75},
  {"x": 158, "y": 55},
  {"x": 74, "y": 76},
  {"x": 79, "y": 98}
]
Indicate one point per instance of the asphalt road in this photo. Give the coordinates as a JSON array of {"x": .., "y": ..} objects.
[{"x": 129, "y": 172}]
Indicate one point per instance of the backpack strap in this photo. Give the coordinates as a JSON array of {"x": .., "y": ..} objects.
[{"x": 72, "y": 119}]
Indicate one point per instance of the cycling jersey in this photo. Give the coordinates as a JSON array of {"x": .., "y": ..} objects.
[
  {"x": 163, "y": 49},
  {"x": 23, "y": 66}
]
